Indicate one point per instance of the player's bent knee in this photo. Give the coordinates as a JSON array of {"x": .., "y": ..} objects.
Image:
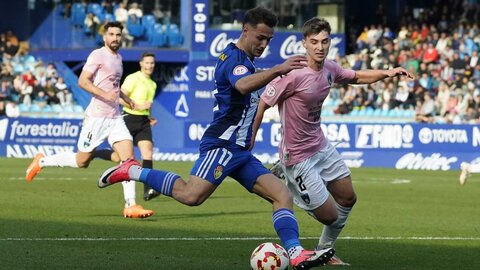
[
  {"x": 348, "y": 202},
  {"x": 193, "y": 201}
]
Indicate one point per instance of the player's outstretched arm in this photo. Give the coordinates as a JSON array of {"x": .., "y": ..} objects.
[
  {"x": 258, "y": 80},
  {"x": 373, "y": 75},
  {"x": 262, "y": 107}
]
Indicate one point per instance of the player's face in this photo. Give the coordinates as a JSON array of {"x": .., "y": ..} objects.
[
  {"x": 112, "y": 38},
  {"x": 258, "y": 38},
  {"x": 147, "y": 65},
  {"x": 317, "y": 46}
]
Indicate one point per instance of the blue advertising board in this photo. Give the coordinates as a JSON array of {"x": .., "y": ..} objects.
[
  {"x": 400, "y": 146},
  {"x": 24, "y": 137}
]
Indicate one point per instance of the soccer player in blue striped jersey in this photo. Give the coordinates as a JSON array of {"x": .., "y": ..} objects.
[{"x": 224, "y": 148}]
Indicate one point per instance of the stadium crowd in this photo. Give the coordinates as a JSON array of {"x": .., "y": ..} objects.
[
  {"x": 26, "y": 82},
  {"x": 440, "y": 46}
]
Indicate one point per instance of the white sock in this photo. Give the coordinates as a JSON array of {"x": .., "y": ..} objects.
[
  {"x": 65, "y": 159},
  {"x": 129, "y": 193},
  {"x": 294, "y": 251},
  {"x": 331, "y": 232},
  {"x": 474, "y": 168}
]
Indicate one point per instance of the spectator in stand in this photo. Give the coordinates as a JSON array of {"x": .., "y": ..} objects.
[
  {"x": 121, "y": 13},
  {"x": 362, "y": 41},
  {"x": 135, "y": 10},
  {"x": 91, "y": 23},
  {"x": 6, "y": 90},
  {"x": 63, "y": 93},
  {"x": 51, "y": 93},
  {"x": 425, "y": 109},
  {"x": 431, "y": 54},
  {"x": 40, "y": 99},
  {"x": 474, "y": 59},
  {"x": 2, "y": 108},
  {"x": 51, "y": 72}
]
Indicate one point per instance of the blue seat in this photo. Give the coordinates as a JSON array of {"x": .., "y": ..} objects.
[
  {"x": 96, "y": 9},
  {"x": 135, "y": 28},
  {"x": 109, "y": 17},
  {"x": 174, "y": 37},
  {"x": 56, "y": 108},
  {"x": 369, "y": 111},
  {"x": 159, "y": 39},
  {"x": 148, "y": 22},
  {"x": 78, "y": 14},
  {"x": 78, "y": 109}
]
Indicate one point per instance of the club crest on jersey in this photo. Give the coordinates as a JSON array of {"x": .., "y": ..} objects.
[
  {"x": 305, "y": 198},
  {"x": 218, "y": 172},
  {"x": 240, "y": 70},
  {"x": 270, "y": 91},
  {"x": 330, "y": 79},
  {"x": 222, "y": 57}
]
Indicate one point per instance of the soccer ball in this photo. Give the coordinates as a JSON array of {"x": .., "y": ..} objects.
[{"x": 269, "y": 256}]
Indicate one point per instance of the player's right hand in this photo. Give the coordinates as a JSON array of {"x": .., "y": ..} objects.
[
  {"x": 294, "y": 62},
  {"x": 110, "y": 96}
]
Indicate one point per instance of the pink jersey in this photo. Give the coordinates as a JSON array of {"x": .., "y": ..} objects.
[
  {"x": 107, "y": 71},
  {"x": 300, "y": 95}
]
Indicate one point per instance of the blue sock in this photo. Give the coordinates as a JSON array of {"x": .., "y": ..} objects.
[
  {"x": 161, "y": 181},
  {"x": 286, "y": 226}
]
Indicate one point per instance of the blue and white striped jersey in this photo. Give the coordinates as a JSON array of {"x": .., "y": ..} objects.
[{"x": 233, "y": 113}]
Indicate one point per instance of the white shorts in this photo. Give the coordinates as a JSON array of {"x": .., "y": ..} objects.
[
  {"x": 96, "y": 129},
  {"x": 307, "y": 179}
]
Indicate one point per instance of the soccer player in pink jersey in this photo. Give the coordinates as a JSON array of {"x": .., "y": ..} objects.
[
  {"x": 316, "y": 175},
  {"x": 100, "y": 76}
]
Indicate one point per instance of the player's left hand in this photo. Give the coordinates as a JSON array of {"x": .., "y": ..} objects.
[{"x": 399, "y": 71}]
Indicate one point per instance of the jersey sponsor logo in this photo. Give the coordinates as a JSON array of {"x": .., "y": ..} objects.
[
  {"x": 240, "y": 70},
  {"x": 270, "y": 91},
  {"x": 434, "y": 162},
  {"x": 427, "y": 135}
]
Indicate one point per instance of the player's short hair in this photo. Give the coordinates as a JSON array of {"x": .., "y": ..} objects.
[
  {"x": 314, "y": 26},
  {"x": 113, "y": 24},
  {"x": 258, "y": 15},
  {"x": 147, "y": 54}
]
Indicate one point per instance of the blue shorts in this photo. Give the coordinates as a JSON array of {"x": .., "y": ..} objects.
[{"x": 215, "y": 164}]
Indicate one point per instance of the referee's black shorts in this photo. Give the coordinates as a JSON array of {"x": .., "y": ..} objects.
[{"x": 139, "y": 127}]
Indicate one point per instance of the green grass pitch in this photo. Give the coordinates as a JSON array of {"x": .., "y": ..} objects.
[{"x": 61, "y": 220}]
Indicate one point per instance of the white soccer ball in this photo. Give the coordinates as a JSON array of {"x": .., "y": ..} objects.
[{"x": 269, "y": 256}]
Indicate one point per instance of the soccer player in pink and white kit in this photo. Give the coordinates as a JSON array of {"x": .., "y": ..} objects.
[
  {"x": 316, "y": 175},
  {"x": 100, "y": 76}
]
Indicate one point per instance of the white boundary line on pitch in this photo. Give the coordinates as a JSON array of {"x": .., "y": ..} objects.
[{"x": 394, "y": 238}]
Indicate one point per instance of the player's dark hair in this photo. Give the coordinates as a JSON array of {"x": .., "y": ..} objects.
[
  {"x": 314, "y": 26},
  {"x": 113, "y": 24},
  {"x": 258, "y": 15},
  {"x": 147, "y": 54}
]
